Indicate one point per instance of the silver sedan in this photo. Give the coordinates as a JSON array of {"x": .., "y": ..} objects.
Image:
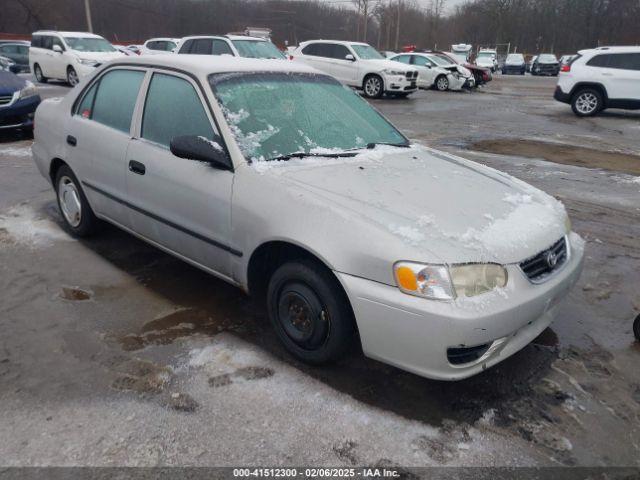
[{"x": 281, "y": 181}]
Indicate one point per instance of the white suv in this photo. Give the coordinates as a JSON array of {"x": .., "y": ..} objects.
[
  {"x": 604, "y": 77},
  {"x": 159, "y": 46},
  {"x": 233, "y": 45},
  {"x": 359, "y": 65},
  {"x": 68, "y": 55}
]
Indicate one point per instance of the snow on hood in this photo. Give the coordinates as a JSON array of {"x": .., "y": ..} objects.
[
  {"x": 444, "y": 205},
  {"x": 99, "y": 56}
]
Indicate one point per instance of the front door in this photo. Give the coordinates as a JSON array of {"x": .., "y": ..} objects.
[{"x": 182, "y": 205}]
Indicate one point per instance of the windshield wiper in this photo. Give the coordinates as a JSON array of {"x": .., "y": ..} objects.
[
  {"x": 309, "y": 154},
  {"x": 373, "y": 145}
]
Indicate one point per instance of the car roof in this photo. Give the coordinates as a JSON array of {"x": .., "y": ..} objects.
[
  {"x": 341, "y": 42},
  {"x": 621, "y": 49},
  {"x": 203, "y": 65},
  {"x": 67, "y": 34},
  {"x": 162, "y": 39},
  {"x": 225, "y": 37}
]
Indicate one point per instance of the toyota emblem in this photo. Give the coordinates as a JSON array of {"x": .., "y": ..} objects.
[{"x": 552, "y": 259}]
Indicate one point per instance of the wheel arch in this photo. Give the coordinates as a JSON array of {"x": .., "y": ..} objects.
[
  {"x": 372, "y": 73},
  {"x": 54, "y": 166},
  {"x": 595, "y": 85}
]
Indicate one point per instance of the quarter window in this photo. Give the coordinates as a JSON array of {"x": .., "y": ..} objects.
[
  {"x": 113, "y": 99},
  {"x": 172, "y": 109}
]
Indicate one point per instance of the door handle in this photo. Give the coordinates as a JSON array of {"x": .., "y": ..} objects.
[
  {"x": 137, "y": 167},
  {"x": 71, "y": 140}
]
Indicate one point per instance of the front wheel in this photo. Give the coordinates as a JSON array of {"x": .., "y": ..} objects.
[
  {"x": 636, "y": 328},
  {"x": 586, "y": 102},
  {"x": 373, "y": 86},
  {"x": 37, "y": 71},
  {"x": 442, "y": 83},
  {"x": 77, "y": 214},
  {"x": 72, "y": 77},
  {"x": 310, "y": 312}
]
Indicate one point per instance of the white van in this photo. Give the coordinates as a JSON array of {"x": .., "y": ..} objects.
[{"x": 68, "y": 56}]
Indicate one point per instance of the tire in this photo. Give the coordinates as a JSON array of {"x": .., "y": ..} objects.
[
  {"x": 77, "y": 215},
  {"x": 636, "y": 328},
  {"x": 587, "y": 102},
  {"x": 373, "y": 86},
  {"x": 310, "y": 312},
  {"x": 37, "y": 71},
  {"x": 442, "y": 83},
  {"x": 72, "y": 77}
]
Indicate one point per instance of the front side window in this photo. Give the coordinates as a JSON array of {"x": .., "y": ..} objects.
[
  {"x": 172, "y": 109},
  {"x": 367, "y": 52},
  {"x": 89, "y": 44},
  {"x": 422, "y": 61},
  {"x": 273, "y": 114},
  {"x": 257, "y": 49},
  {"x": 625, "y": 61},
  {"x": 339, "y": 52},
  {"x": 112, "y": 100},
  {"x": 201, "y": 46}
]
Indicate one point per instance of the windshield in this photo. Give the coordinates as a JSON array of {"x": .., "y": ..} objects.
[
  {"x": 367, "y": 52},
  {"x": 547, "y": 58},
  {"x": 486, "y": 55},
  {"x": 446, "y": 59},
  {"x": 257, "y": 49},
  {"x": 275, "y": 114},
  {"x": 439, "y": 60},
  {"x": 89, "y": 44}
]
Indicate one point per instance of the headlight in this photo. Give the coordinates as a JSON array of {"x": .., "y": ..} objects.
[
  {"x": 476, "y": 279},
  {"x": 437, "y": 282},
  {"x": 88, "y": 62},
  {"x": 389, "y": 71},
  {"x": 567, "y": 224},
  {"x": 29, "y": 90}
]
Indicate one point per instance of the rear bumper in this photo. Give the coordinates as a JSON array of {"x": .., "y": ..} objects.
[
  {"x": 19, "y": 114},
  {"x": 420, "y": 335},
  {"x": 513, "y": 69},
  {"x": 560, "y": 96}
]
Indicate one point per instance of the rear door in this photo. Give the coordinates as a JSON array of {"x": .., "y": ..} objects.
[
  {"x": 623, "y": 76},
  {"x": 182, "y": 205},
  {"x": 98, "y": 135}
]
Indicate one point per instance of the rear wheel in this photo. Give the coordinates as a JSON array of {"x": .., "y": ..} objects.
[
  {"x": 373, "y": 86},
  {"x": 37, "y": 71},
  {"x": 586, "y": 102},
  {"x": 310, "y": 312},
  {"x": 77, "y": 214},
  {"x": 636, "y": 328}
]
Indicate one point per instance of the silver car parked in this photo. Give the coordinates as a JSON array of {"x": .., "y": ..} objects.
[{"x": 278, "y": 179}]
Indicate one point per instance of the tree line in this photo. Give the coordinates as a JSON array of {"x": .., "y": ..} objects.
[{"x": 530, "y": 26}]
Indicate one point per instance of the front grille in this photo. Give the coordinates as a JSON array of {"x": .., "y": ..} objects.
[
  {"x": 539, "y": 267},
  {"x": 412, "y": 75},
  {"x": 463, "y": 355},
  {"x": 5, "y": 99}
]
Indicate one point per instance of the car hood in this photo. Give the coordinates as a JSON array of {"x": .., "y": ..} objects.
[
  {"x": 447, "y": 209},
  {"x": 10, "y": 82},
  {"x": 484, "y": 61},
  {"x": 383, "y": 63},
  {"x": 101, "y": 57}
]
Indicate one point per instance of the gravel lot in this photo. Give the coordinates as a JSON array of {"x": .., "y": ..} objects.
[{"x": 114, "y": 353}]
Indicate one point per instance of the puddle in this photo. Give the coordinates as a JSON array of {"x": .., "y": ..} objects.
[
  {"x": 182, "y": 323},
  {"x": 561, "y": 153}
]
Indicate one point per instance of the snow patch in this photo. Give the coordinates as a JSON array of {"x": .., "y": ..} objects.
[
  {"x": 22, "y": 224},
  {"x": 16, "y": 151}
]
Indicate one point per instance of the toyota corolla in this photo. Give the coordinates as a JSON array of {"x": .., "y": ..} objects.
[{"x": 278, "y": 179}]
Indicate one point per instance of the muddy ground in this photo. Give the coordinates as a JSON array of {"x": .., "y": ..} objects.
[{"x": 114, "y": 353}]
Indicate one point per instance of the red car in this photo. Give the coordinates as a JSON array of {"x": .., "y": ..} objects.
[{"x": 482, "y": 75}]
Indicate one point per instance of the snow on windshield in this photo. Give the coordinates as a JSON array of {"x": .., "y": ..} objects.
[
  {"x": 257, "y": 49},
  {"x": 276, "y": 114},
  {"x": 89, "y": 44},
  {"x": 367, "y": 52}
]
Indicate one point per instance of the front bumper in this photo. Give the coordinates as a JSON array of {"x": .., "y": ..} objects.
[
  {"x": 19, "y": 114},
  {"x": 415, "y": 334},
  {"x": 399, "y": 84},
  {"x": 507, "y": 69}
]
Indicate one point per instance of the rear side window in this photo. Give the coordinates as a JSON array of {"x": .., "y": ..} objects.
[
  {"x": 403, "y": 59},
  {"x": 201, "y": 46},
  {"x": 625, "y": 61},
  {"x": 114, "y": 99},
  {"x": 220, "y": 47},
  {"x": 36, "y": 41},
  {"x": 186, "y": 47},
  {"x": 173, "y": 108},
  {"x": 46, "y": 42}
]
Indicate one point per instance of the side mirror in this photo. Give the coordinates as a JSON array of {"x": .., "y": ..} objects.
[
  {"x": 57, "y": 48},
  {"x": 192, "y": 147},
  {"x": 350, "y": 57}
]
